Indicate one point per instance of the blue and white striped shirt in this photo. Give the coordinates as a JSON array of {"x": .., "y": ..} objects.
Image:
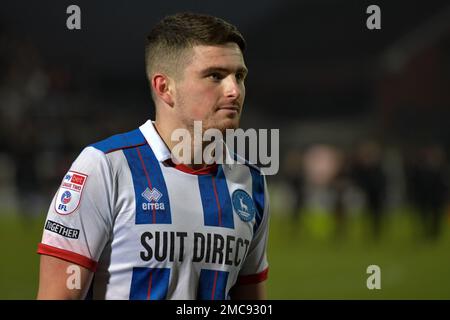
[{"x": 153, "y": 230}]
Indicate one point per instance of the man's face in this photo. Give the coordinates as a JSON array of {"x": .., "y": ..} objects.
[{"x": 211, "y": 88}]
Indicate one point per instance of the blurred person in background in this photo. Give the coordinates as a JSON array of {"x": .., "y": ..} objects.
[
  {"x": 324, "y": 187},
  {"x": 368, "y": 174},
  {"x": 295, "y": 181},
  {"x": 427, "y": 180}
]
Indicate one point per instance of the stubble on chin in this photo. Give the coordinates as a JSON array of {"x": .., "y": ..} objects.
[{"x": 222, "y": 126}]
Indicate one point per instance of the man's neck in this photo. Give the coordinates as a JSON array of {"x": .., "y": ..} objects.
[{"x": 165, "y": 132}]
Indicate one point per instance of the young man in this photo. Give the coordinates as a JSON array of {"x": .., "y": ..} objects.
[{"x": 130, "y": 223}]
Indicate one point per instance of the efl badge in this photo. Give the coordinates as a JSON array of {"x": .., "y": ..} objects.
[
  {"x": 243, "y": 205},
  {"x": 69, "y": 194}
]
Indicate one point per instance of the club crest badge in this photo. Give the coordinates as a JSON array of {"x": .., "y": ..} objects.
[
  {"x": 69, "y": 193},
  {"x": 243, "y": 205}
]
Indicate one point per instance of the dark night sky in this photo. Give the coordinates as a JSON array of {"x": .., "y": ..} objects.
[{"x": 314, "y": 53}]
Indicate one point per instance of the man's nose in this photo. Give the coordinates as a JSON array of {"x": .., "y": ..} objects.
[{"x": 232, "y": 87}]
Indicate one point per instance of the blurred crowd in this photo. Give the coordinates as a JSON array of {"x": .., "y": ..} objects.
[
  {"x": 372, "y": 179},
  {"x": 48, "y": 112}
]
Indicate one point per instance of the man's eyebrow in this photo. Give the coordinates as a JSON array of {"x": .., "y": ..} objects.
[{"x": 222, "y": 69}]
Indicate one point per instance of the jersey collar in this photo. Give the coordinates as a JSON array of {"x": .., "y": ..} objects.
[
  {"x": 159, "y": 148},
  {"x": 162, "y": 153}
]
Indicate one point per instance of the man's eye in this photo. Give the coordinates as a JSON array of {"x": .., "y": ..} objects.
[
  {"x": 240, "y": 77},
  {"x": 216, "y": 76}
]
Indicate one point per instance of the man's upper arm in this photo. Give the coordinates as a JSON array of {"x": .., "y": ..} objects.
[
  {"x": 254, "y": 271},
  {"x": 61, "y": 280},
  {"x": 78, "y": 225}
]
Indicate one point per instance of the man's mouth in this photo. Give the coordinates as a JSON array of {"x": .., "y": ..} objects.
[{"x": 231, "y": 107}]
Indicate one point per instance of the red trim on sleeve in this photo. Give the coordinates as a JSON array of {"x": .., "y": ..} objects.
[
  {"x": 253, "y": 278},
  {"x": 67, "y": 255}
]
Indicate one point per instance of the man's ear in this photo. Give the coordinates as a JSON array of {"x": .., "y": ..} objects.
[{"x": 162, "y": 88}]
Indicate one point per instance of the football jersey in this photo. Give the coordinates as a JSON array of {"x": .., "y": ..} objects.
[{"x": 150, "y": 229}]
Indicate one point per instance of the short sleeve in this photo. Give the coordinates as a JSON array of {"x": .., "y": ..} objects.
[
  {"x": 255, "y": 268},
  {"x": 79, "y": 220}
]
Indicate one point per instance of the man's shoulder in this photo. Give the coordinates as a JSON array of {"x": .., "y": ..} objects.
[{"x": 120, "y": 141}]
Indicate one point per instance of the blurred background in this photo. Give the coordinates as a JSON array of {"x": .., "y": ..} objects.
[{"x": 364, "y": 119}]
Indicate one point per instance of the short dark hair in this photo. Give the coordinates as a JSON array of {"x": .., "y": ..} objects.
[{"x": 168, "y": 39}]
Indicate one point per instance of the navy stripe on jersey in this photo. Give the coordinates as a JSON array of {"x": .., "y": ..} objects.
[
  {"x": 121, "y": 141},
  {"x": 149, "y": 283},
  {"x": 148, "y": 180},
  {"x": 212, "y": 285},
  {"x": 216, "y": 200},
  {"x": 258, "y": 196},
  {"x": 257, "y": 189}
]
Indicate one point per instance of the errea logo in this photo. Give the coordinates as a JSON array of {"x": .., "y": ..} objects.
[{"x": 152, "y": 196}]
